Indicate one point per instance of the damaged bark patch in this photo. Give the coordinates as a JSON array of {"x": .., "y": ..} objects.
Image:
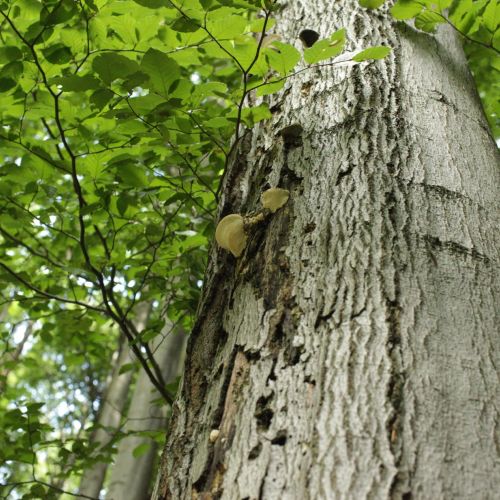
[
  {"x": 210, "y": 481},
  {"x": 267, "y": 267}
]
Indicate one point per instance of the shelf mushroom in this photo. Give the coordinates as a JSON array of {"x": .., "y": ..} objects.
[
  {"x": 274, "y": 198},
  {"x": 230, "y": 234}
]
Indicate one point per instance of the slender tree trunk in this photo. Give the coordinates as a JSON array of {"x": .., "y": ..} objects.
[
  {"x": 110, "y": 415},
  {"x": 351, "y": 352},
  {"x": 111, "y": 411},
  {"x": 131, "y": 476}
]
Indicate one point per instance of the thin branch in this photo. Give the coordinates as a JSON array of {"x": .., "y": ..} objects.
[
  {"x": 48, "y": 295},
  {"x": 467, "y": 37}
]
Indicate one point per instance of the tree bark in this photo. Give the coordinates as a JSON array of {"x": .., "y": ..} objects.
[
  {"x": 352, "y": 351},
  {"x": 131, "y": 476},
  {"x": 111, "y": 410},
  {"x": 110, "y": 415}
]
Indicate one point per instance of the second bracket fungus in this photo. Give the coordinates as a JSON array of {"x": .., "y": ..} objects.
[
  {"x": 230, "y": 234},
  {"x": 274, "y": 198}
]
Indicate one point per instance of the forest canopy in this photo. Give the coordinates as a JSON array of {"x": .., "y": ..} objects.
[{"x": 118, "y": 120}]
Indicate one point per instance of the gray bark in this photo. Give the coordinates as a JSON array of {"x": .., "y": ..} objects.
[
  {"x": 111, "y": 410},
  {"x": 131, "y": 476},
  {"x": 352, "y": 351},
  {"x": 110, "y": 415}
]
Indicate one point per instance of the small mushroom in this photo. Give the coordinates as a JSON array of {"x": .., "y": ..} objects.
[
  {"x": 274, "y": 198},
  {"x": 230, "y": 234},
  {"x": 214, "y": 434}
]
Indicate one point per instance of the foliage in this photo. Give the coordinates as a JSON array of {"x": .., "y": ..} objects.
[{"x": 116, "y": 126}]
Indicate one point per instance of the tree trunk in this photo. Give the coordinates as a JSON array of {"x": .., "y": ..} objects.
[
  {"x": 111, "y": 410},
  {"x": 351, "y": 351},
  {"x": 110, "y": 415},
  {"x": 131, "y": 476}
]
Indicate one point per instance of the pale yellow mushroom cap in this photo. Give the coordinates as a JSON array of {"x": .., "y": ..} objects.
[
  {"x": 274, "y": 198},
  {"x": 214, "y": 434},
  {"x": 230, "y": 234}
]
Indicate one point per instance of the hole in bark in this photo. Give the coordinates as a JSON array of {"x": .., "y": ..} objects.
[
  {"x": 252, "y": 355},
  {"x": 222, "y": 337},
  {"x": 306, "y": 88},
  {"x": 292, "y": 135},
  {"x": 255, "y": 452},
  {"x": 272, "y": 375},
  {"x": 264, "y": 419},
  {"x": 309, "y": 37},
  {"x": 293, "y": 356},
  {"x": 264, "y": 414},
  {"x": 275, "y": 108},
  {"x": 407, "y": 496},
  {"x": 279, "y": 334},
  {"x": 280, "y": 439},
  {"x": 344, "y": 173},
  {"x": 309, "y": 227}
]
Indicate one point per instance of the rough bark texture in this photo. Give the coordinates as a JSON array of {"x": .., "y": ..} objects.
[
  {"x": 351, "y": 352},
  {"x": 130, "y": 476}
]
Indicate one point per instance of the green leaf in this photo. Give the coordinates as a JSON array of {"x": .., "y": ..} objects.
[
  {"x": 325, "y": 49},
  {"x": 270, "y": 87},
  {"x": 284, "y": 58},
  {"x": 38, "y": 491},
  {"x": 141, "y": 450},
  {"x": 223, "y": 24},
  {"x": 184, "y": 25},
  {"x": 406, "y": 9},
  {"x": 7, "y": 84},
  {"x": 153, "y": 4},
  {"x": 491, "y": 16},
  {"x": 13, "y": 69},
  {"x": 132, "y": 175},
  {"x": 126, "y": 368},
  {"x": 162, "y": 70},
  {"x": 57, "y": 54},
  {"x": 378, "y": 52},
  {"x": 100, "y": 98},
  {"x": 110, "y": 66},
  {"x": 371, "y": 4},
  {"x": 61, "y": 12},
  {"x": 428, "y": 20},
  {"x": 10, "y": 53},
  {"x": 77, "y": 83},
  {"x": 256, "y": 114},
  {"x": 122, "y": 203}
]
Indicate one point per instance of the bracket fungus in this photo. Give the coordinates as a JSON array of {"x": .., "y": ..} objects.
[
  {"x": 230, "y": 234},
  {"x": 274, "y": 198}
]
